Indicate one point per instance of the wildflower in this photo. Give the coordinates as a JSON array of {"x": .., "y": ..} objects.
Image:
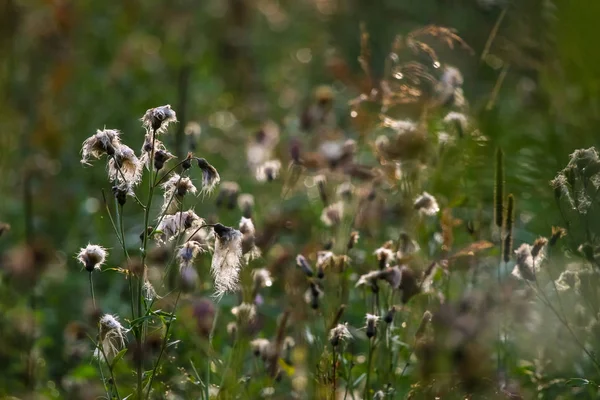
[
  {"x": 187, "y": 253},
  {"x": 104, "y": 141},
  {"x": 332, "y": 214},
  {"x": 339, "y": 334},
  {"x": 524, "y": 267},
  {"x": 372, "y": 321},
  {"x": 148, "y": 291},
  {"x": 268, "y": 171},
  {"x": 175, "y": 188},
  {"x": 158, "y": 119},
  {"x": 160, "y": 158},
  {"x": 384, "y": 255},
  {"x": 121, "y": 191},
  {"x": 248, "y": 238},
  {"x": 92, "y": 257},
  {"x": 313, "y": 295},
  {"x": 171, "y": 225},
  {"x": 228, "y": 195},
  {"x": 210, "y": 175},
  {"x": 260, "y": 347},
  {"x": 389, "y": 315},
  {"x": 226, "y": 261},
  {"x": 124, "y": 166},
  {"x": 324, "y": 259},
  {"x": 426, "y": 204},
  {"x": 354, "y": 236},
  {"x": 246, "y": 204},
  {"x": 304, "y": 265},
  {"x": 262, "y": 277},
  {"x": 112, "y": 337},
  {"x": 245, "y": 312}
]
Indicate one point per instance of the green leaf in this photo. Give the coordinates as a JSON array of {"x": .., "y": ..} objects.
[{"x": 118, "y": 357}]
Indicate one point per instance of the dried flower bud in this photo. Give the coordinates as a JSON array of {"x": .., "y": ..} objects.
[
  {"x": 246, "y": 204},
  {"x": 389, "y": 315},
  {"x": 332, "y": 214},
  {"x": 92, "y": 257},
  {"x": 158, "y": 119},
  {"x": 354, "y": 236},
  {"x": 304, "y": 265},
  {"x": 210, "y": 175},
  {"x": 313, "y": 295},
  {"x": 426, "y": 204},
  {"x": 321, "y": 181},
  {"x": 160, "y": 158},
  {"x": 372, "y": 321},
  {"x": 228, "y": 195},
  {"x": 268, "y": 171},
  {"x": 339, "y": 334},
  {"x": 524, "y": 267},
  {"x": 120, "y": 194},
  {"x": 187, "y": 163},
  {"x": 112, "y": 338}
]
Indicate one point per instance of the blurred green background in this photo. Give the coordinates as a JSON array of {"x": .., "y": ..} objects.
[{"x": 68, "y": 68}]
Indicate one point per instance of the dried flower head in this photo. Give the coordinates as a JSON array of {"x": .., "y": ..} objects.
[
  {"x": 369, "y": 279},
  {"x": 353, "y": 240},
  {"x": 262, "y": 277},
  {"x": 568, "y": 279},
  {"x": 304, "y": 265},
  {"x": 245, "y": 312},
  {"x": 426, "y": 204},
  {"x": 268, "y": 171},
  {"x": 124, "y": 167},
  {"x": 332, "y": 214},
  {"x": 246, "y": 204},
  {"x": 187, "y": 253},
  {"x": 399, "y": 126},
  {"x": 210, "y": 175},
  {"x": 389, "y": 315},
  {"x": 524, "y": 267},
  {"x": 92, "y": 257},
  {"x": 345, "y": 191},
  {"x": 425, "y": 320},
  {"x": 228, "y": 195},
  {"x": 104, "y": 141},
  {"x": 112, "y": 338},
  {"x": 324, "y": 260},
  {"x": 175, "y": 188},
  {"x": 148, "y": 291},
  {"x": 372, "y": 321},
  {"x": 160, "y": 158},
  {"x": 172, "y": 225},
  {"x": 158, "y": 119},
  {"x": 393, "y": 276},
  {"x": 385, "y": 255},
  {"x": 313, "y": 295},
  {"x": 226, "y": 261},
  {"x": 188, "y": 278},
  {"x": 339, "y": 334},
  {"x": 260, "y": 347},
  {"x": 557, "y": 233}
]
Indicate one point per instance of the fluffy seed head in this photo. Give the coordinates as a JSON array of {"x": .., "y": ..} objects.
[
  {"x": 112, "y": 337},
  {"x": 104, "y": 141},
  {"x": 124, "y": 166},
  {"x": 172, "y": 225},
  {"x": 524, "y": 267},
  {"x": 339, "y": 334},
  {"x": 158, "y": 119},
  {"x": 332, "y": 214},
  {"x": 210, "y": 176},
  {"x": 426, "y": 204},
  {"x": 372, "y": 321},
  {"x": 268, "y": 171},
  {"x": 226, "y": 261},
  {"x": 187, "y": 253},
  {"x": 246, "y": 204},
  {"x": 245, "y": 312},
  {"x": 92, "y": 257}
]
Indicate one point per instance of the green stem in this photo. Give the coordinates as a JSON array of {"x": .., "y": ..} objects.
[
  {"x": 163, "y": 346},
  {"x": 92, "y": 291},
  {"x": 369, "y": 361}
]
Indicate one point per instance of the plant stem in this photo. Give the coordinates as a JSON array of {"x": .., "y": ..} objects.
[
  {"x": 163, "y": 346},
  {"x": 92, "y": 291},
  {"x": 369, "y": 361},
  {"x": 334, "y": 374}
]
